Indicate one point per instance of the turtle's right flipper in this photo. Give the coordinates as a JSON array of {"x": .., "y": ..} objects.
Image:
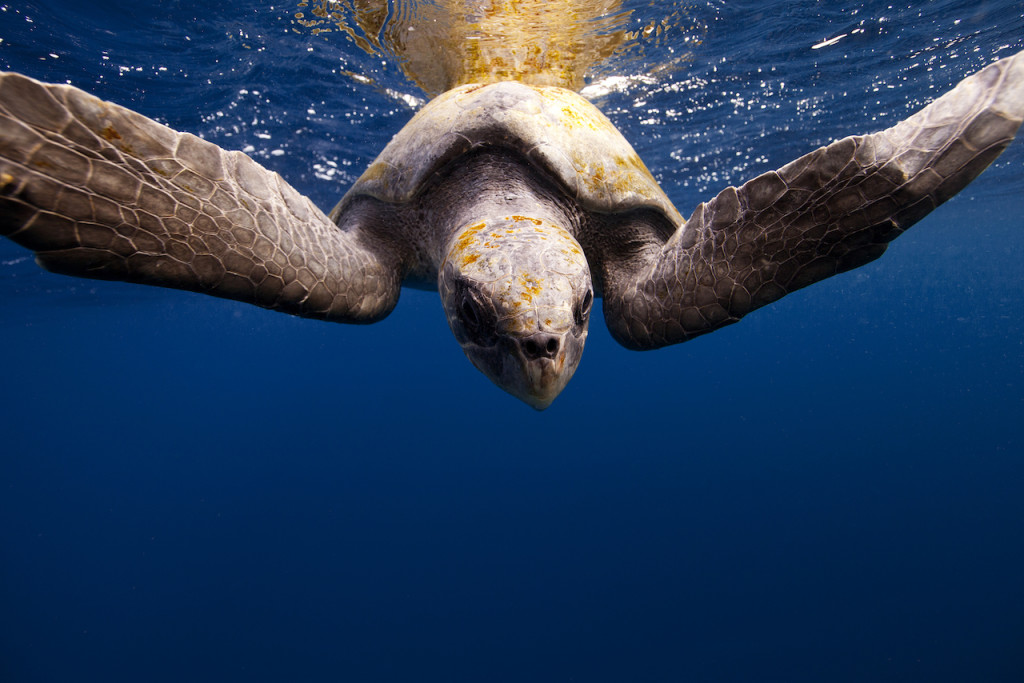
[
  {"x": 99, "y": 191},
  {"x": 831, "y": 210}
]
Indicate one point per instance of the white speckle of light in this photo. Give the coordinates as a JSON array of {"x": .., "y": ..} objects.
[
  {"x": 276, "y": 152},
  {"x": 410, "y": 101},
  {"x": 830, "y": 41},
  {"x": 248, "y": 149},
  {"x": 616, "y": 84}
]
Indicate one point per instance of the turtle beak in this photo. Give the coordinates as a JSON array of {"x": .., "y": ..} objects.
[
  {"x": 542, "y": 361},
  {"x": 535, "y": 368}
]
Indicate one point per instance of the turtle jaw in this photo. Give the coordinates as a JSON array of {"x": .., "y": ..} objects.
[
  {"x": 534, "y": 368},
  {"x": 544, "y": 378}
]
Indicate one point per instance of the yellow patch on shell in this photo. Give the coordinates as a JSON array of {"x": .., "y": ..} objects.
[{"x": 376, "y": 171}]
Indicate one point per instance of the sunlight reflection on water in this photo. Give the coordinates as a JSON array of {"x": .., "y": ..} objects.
[{"x": 447, "y": 43}]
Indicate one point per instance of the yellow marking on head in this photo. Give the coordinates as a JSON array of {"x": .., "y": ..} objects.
[
  {"x": 464, "y": 243},
  {"x": 467, "y": 236},
  {"x": 532, "y": 286},
  {"x": 518, "y": 219}
]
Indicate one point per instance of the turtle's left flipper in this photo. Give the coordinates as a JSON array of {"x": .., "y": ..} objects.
[
  {"x": 827, "y": 212},
  {"x": 99, "y": 191}
]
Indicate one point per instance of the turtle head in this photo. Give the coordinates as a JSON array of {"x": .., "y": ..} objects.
[{"x": 518, "y": 294}]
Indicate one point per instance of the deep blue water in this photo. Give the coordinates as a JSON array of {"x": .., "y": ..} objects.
[{"x": 831, "y": 490}]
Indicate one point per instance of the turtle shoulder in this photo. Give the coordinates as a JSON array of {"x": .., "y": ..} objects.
[{"x": 550, "y": 127}]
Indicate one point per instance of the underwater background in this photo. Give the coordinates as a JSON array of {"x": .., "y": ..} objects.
[{"x": 831, "y": 490}]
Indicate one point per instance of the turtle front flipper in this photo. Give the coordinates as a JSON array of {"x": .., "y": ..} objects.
[
  {"x": 834, "y": 209},
  {"x": 99, "y": 191}
]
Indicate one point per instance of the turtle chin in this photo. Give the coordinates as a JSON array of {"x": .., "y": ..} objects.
[{"x": 534, "y": 368}]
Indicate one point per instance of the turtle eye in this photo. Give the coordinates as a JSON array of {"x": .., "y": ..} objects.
[
  {"x": 470, "y": 314},
  {"x": 583, "y": 310},
  {"x": 476, "y": 321}
]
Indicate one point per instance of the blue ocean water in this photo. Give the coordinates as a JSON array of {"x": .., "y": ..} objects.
[{"x": 831, "y": 490}]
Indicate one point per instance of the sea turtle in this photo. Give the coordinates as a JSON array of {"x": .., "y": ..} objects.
[{"x": 519, "y": 203}]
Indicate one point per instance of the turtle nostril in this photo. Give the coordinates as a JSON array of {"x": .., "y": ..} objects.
[{"x": 541, "y": 346}]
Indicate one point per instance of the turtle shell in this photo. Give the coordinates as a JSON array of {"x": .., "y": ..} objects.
[{"x": 554, "y": 128}]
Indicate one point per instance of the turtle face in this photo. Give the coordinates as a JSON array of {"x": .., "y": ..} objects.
[{"x": 518, "y": 295}]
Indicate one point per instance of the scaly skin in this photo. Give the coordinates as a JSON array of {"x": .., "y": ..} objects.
[
  {"x": 100, "y": 191},
  {"x": 827, "y": 212}
]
